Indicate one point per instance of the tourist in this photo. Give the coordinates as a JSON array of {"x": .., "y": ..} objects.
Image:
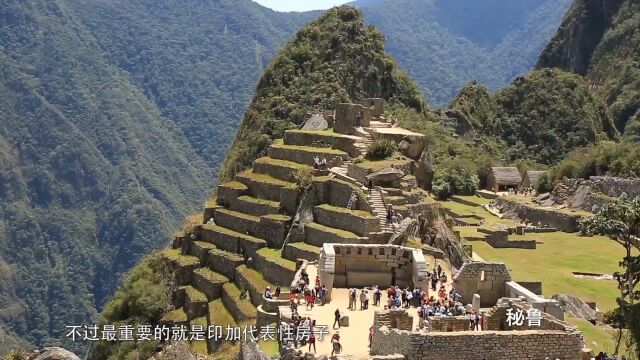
[
  {"x": 316, "y": 162},
  {"x": 277, "y": 292},
  {"x": 267, "y": 293},
  {"x": 376, "y": 296},
  {"x": 323, "y": 163},
  {"x": 409, "y": 297},
  {"x": 310, "y": 299},
  {"x": 336, "y": 320},
  {"x": 434, "y": 282},
  {"x": 439, "y": 271},
  {"x": 370, "y": 335},
  {"x": 336, "y": 346},
  {"x": 352, "y": 299},
  {"x": 323, "y": 294},
  {"x": 317, "y": 280},
  {"x": 363, "y": 297},
  {"x": 390, "y": 214},
  {"x": 370, "y": 186},
  {"x": 312, "y": 340}
]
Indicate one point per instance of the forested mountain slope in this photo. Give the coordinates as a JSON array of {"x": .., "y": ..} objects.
[
  {"x": 599, "y": 39},
  {"x": 443, "y": 44}
]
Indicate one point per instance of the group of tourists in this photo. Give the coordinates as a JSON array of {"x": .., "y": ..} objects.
[
  {"x": 268, "y": 294},
  {"x": 526, "y": 191},
  {"x": 393, "y": 217},
  {"x": 300, "y": 331},
  {"x": 310, "y": 293},
  {"x": 319, "y": 164}
]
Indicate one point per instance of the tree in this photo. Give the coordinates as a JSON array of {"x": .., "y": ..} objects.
[{"x": 620, "y": 221}]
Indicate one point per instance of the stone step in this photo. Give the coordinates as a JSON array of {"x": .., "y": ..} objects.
[
  {"x": 181, "y": 265},
  {"x": 317, "y": 235},
  {"x": 200, "y": 249},
  {"x": 209, "y": 282},
  {"x": 240, "y": 309},
  {"x": 230, "y": 240},
  {"x": 295, "y": 251},
  {"x": 255, "y": 206},
  {"x": 269, "y": 188},
  {"x": 230, "y": 191},
  {"x": 356, "y": 221},
  {"x": 304, "y": 154},
  {"x": 396, "y": 200},
  {"x": 224, "y": 262},
  {"x": 273, "y": 266},
  {"x": 237, "y": 221},
  {"x": 280, "y": 169},
  {"x": 195, "y": 302}
]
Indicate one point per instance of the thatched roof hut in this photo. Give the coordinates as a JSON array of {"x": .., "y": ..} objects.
[
  {"x": 500, "y": 178},
  {"x": 531, "y": 178}
]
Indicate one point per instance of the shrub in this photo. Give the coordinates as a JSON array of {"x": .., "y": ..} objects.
[
  {"x": 303, "y": 178},
  {"x": 381, "y": 149},
  {"x": 455, "y": 181},
  {"x": 17, "y": 355}
]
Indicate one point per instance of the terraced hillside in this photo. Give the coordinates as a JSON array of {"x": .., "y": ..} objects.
[{"x": 262, "y": 224}]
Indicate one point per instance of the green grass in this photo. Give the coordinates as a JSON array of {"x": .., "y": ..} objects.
[
  {"x": 240, "y": 215},
  {"x": 200, "y": 347},
  {"x": 245, "y": 305},
  {"x": 276, "y": 256},
  {"x": 211, "y": 275},
  {"x": 230, "y": 232},
  {"x": 473, "y": 199},
  {"x": 277, "y": 217},
  {"x": 235, "y": 185},
  {"x": 326, "y": 132},
  {"x": 283, "y": 163},
  {"x": 315, "y": 150},
  {"x": 341, "y": 210},
  {"x": 177, "y": 315},
  {"x": 182, "y": 260},
  {"x": 270, "y": 347},
  {"x": 219, "y": 315},
  {"x": 266, "y": 179},
  {"x": 381, "y": 164},
  {"x": 254, "y": 277},
  {"x": 464, "y": 210},
  {"x": 194, "y": 294},
  {"x": 304, "y": 246},
  {"x": 338, "y": 232},
  {"x": 205, "y": 245},
  {"x": 258, "y": 201},
  {"x": 556, "y": 258},
  {"x": 598, "y": 337},
  {"x": 413, "y": 242}
]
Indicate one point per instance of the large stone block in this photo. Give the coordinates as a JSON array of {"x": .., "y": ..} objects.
[
  {"x": 224, "y": 262},
  {"x": 356, "y": 221}
]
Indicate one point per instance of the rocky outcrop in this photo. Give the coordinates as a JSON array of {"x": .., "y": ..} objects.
[
  {"x": 576, "y": 307},
  {"x": 557, "y": 219},
  {"x": 579, "y": 34},
  {"x": 54, "y": 353}
]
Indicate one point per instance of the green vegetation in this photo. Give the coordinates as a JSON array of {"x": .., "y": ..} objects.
[
  {"x": 143, "y": 298},
  {"x": 381, "y": 149},
  {"x": 333, "y": 59},
  {"x": 455, "y": 181},
  {"x": 345, "y": 211},
  {"x": 211, "y": 275},
  {"x": 200, "y": 347},
  {"x": 266, "y": 179},
  {"x": 176, "y": 256},
  {"x": 194, "y": 294},
  {"x": 275, "y": 255},
  {"x": 479, "y": 201},
  {"x": 607, "y": 158},
  {"x": 605, "y": 35},
  {"x": 245, "y": 306},
  {"x": 339, "y": 232},
  {"x": 381, "y": 164}
]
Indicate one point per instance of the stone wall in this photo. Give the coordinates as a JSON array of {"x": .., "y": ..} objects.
[
  {"x": 360, "y": 223},
  {"x": 503, "y": 346},
  {"x": 294, "y": 252},
  {"x": 484, "y": 278},
  {"x": 228, "y": 241},
  {"x": 615, "y": 186},
  {"x": 355, "y": 265},
  {"x": 224, "y": 262},
  {"x": 346, "y": 118},
  {"x": 272, "y": 271},
  {"x": 551, "y": 218},
  {"x": 303, "y": 155},
  {"x": 448, "y": 323},
  {"x": 337, "y": 192},
  {"x": 229, "y": 192}
]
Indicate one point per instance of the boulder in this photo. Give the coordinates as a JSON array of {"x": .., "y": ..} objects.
[
  {"x": 386, "y": 177},
  {"x": 344, "y": 320},
  {"x": 56, "y": 353},
  {"x": 403, "y": 231},
  {"x": 575, "y": 307},
  {"x": 412, "y": 146},
  {"x": 425, "y": 171},
  {"x": 316, "y": 122}
]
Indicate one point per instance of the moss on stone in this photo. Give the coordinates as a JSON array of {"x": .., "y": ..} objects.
[
  {"x": 219, "y": 315},
  {"x": 205, "y": 245},
  {"x": 200, "y": 346},
  {"x": 239, "y": 214},
  {"x": 194, "y": 294},
  {"x": 381, "y": 164},
  {"x": 177, "y": 315},
  {"x": 307, "y": 247},
  {"x": 277, "y": 217},
  {"x": 266, "y": 179},
  {"x": 244, "y": 305},
  {"x": 316, "y": 150},
  {"x": 211, "y": 275},
  {"x": 226, "y": 231},
  {"x": 258, "y": 201},
  {"x": 283, "y": 163},
  {"x": 234, "y": 185},
  {"x": 176, "y": 256}
]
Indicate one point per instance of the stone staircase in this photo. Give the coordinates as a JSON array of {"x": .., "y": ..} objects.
[{"x": 379, "y": 209}]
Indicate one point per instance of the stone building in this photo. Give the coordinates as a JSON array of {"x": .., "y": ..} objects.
[{"x": 502, "y": 178}]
